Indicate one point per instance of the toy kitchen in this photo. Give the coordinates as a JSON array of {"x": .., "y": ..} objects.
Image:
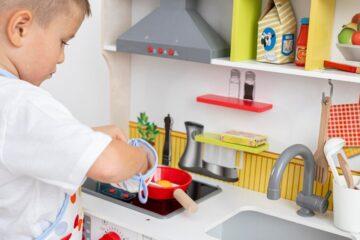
[{"x": 252, "y": 109}]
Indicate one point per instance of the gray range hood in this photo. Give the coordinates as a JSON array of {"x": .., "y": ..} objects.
[{"x": 174, "y": 30}]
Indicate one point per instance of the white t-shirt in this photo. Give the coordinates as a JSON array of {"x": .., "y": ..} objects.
[{"x": 44, "y": 153}]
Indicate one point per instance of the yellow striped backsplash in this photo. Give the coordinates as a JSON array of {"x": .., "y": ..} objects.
[{"x": 257, "y": 167}]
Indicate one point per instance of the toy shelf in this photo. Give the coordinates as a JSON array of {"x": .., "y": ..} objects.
[
  {"x": 322, "y": 14},
  {"x": 289, "y": 69},
  {"x": 235, "y": 103},
  {"x": 214, "y": 139}
]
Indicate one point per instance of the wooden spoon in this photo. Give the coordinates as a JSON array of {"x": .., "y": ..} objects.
[{"x": 346, "y": 171}]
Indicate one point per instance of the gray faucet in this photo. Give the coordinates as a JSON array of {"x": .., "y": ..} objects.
[{"x": 308, "y": 202}]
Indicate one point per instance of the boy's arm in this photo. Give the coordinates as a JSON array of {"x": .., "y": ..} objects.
[
  {"x": 113, "y": 131},
  {"x": 118, "y": 162}
]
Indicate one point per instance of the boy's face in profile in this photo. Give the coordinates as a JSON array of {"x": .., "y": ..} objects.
[{"x": 41, "y": 48}]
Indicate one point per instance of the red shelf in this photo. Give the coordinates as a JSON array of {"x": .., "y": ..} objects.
[{"x": 236, "y": 103}]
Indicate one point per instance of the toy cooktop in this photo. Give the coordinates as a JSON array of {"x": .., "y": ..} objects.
[{"x": 160, "y": 209}]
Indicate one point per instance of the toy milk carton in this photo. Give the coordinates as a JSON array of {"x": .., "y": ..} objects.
[{"x": 276, "y": 34}]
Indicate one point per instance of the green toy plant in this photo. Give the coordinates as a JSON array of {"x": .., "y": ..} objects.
[{"x": 147, "y": 130}]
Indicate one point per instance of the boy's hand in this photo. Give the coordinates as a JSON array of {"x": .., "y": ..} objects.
[
  {"x": 112, "y": 131},
  {"x": 148, "y": 163}
]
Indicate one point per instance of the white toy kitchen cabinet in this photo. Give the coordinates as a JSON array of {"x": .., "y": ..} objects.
[{"x": 98, "y": 229}]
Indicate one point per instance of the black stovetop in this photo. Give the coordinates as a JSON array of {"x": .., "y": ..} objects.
[{"x": 157, "y": 208}]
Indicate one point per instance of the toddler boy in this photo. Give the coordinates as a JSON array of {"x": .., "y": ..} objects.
[{"x": 45, "y": 153}]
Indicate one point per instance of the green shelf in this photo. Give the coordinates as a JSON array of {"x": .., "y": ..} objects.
[{"x": 214, "y": 139}]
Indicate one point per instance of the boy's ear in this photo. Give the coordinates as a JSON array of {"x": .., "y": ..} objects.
[{"x": 19, "y": 26}]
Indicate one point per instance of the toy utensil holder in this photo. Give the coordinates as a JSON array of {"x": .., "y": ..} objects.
[{"x": 346, "y": 206}]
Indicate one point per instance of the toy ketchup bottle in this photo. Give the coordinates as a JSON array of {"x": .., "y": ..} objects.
[{"x": 301, "y": 44}]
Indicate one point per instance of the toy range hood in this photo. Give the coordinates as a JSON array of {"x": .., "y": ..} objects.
[{"x": 174, "y": 30}]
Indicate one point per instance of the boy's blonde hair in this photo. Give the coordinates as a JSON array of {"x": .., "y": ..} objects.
[{"x": 45, "y": 10}]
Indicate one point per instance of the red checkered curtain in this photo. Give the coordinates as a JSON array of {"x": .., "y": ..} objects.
[{"x": 344, "y": 122}]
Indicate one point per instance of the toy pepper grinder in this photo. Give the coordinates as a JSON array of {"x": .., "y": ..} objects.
[
  {"x": 249, "y": 86},
  {"x": 167, "y": 145}
]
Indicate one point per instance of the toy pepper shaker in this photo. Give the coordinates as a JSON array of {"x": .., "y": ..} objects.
[{"x": 249, "y": 86}]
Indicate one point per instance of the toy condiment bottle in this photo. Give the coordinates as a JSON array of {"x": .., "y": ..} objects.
[{"x": 302, "y": 40}]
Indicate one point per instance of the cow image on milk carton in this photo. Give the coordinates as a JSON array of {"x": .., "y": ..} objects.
[{"x": 276, "y": 34}]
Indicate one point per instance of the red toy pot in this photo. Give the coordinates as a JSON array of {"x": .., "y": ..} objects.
[{"x": 180, "y": 178}]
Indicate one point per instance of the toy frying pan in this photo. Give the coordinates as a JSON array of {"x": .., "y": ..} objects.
[{"x": 180, "y": 182}]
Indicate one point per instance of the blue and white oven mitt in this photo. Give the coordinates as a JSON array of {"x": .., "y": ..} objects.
[{"x": 139, "y": 183}]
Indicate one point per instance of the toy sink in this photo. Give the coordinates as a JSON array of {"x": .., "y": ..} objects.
[{"x": 250, "y": 225}]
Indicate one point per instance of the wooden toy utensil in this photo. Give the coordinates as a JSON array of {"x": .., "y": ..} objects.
[
  {"x": 346, "y": 171},
  {"x": 322, "y": 166}
]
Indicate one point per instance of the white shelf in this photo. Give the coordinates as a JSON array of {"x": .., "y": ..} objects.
[
  {"x": 110, "y": 48},
  {"x": 289, "y": 69}
]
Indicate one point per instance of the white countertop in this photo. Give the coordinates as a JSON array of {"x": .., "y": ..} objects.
[{"x": 212, "y": 212}]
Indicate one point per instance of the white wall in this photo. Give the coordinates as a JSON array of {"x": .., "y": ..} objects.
[
  {"x": 82, "y": 82},
  {"x": 162, "y": 86}
]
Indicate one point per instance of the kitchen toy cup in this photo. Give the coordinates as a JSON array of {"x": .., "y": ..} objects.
[{"x": 346, "y": 206}]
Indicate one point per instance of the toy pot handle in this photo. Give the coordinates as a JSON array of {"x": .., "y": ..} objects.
[{"x": 185, "y": 201}]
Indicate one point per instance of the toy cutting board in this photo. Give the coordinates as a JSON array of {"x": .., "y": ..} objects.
[{"x": 345, "y": 123}]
